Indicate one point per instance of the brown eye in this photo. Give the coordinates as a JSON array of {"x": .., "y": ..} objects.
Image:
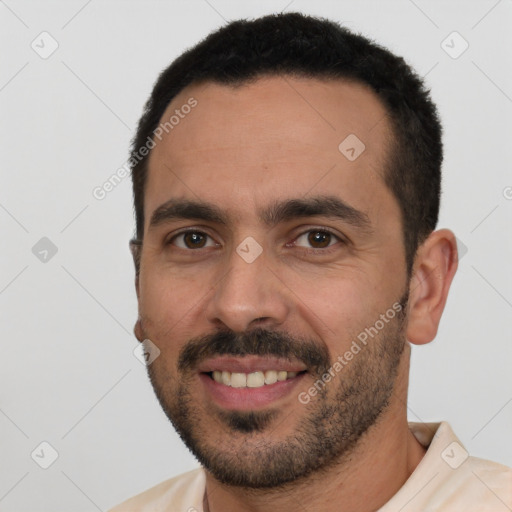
[
  {"x": 317, "y": 239},
  {"x": 194, "y": 240},
  {"x": 191, "y": 240}
]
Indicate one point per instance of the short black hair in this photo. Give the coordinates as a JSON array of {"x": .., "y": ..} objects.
[{"x": 304, "y": 46}]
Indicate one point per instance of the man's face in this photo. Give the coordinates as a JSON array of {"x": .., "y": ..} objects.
[{"x": 298, "y": 262}]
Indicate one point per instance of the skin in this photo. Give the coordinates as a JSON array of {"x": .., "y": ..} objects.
[{"x": 241, "y": 149}]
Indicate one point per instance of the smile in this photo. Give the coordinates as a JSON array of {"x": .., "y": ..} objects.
[{"x": 251, "y": 380}]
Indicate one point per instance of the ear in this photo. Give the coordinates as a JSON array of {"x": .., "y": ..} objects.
[
  {"x": 435, "y": 265},
  {"x": 136, "y": 249},
  {"x": 137, "y": 330}
]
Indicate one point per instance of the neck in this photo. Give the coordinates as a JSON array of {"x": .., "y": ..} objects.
[{"x": 363, "y": 480}]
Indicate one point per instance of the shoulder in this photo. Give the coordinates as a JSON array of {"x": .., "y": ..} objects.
[
  {"x": 184, "y": 492},
  {"x": 462, "y": 480},
  {"x": 449, "y": 479},
  {"x": 479, "y": 483}
]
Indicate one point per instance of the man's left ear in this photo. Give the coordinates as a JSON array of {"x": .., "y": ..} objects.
[{"x": 435, "y": 265}]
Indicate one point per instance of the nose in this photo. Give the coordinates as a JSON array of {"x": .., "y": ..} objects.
[{"x": 248, "y": 295}]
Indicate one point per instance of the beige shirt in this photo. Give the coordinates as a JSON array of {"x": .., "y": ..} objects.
[{"x": 446, "y": 479}]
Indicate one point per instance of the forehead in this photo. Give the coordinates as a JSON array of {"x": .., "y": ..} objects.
[{"x": 275, "y": 136}]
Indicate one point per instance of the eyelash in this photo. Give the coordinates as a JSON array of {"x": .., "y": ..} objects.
[{"x": 326, "y": 250}]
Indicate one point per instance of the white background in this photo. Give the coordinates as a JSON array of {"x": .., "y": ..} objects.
[{"x": 68, "y": 374}]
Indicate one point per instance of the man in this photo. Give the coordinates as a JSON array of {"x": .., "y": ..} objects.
[{"x": 286, "y": 179}]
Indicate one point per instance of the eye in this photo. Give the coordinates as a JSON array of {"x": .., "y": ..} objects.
[
  {"x": 317, "y": 239},
  {"x": 191, "y": 240}
]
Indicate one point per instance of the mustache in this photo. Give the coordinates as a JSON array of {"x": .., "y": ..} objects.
[{"x": 257, "y": 342}]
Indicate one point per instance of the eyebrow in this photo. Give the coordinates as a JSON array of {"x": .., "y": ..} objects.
[{"x": 277, "y": 212}]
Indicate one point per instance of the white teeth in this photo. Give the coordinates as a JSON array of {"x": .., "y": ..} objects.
[
  {"x": 255, "y": 380},
  {"x": 281, "y": 375},
  {"x": 270, "y": 377},
  {"x": 238, "y": 380},
  {"x": 251, "y": 380}
]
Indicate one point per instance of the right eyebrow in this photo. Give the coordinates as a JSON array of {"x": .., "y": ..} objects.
[{"x": 187, "y": 209}]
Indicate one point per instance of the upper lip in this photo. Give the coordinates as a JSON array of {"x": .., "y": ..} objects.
[{"x": 249, "y": 364}]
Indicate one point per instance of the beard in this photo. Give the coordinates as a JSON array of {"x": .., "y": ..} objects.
[{"x": 240, "y": 448}]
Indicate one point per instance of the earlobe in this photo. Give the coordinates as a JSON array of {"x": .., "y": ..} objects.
[
  {"x": 137, "y": 330},
  {"x": 434, "y": 268}
]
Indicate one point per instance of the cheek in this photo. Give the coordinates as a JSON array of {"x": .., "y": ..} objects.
[
  {"x": 166, "y": 295},
  {"x": 338, "y": 308},
  {"x": 155, "y": 298},
  {"x": 163, "y": 305},
  {"x": 332, "y": 306}
]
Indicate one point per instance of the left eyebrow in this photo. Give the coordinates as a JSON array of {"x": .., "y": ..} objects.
[
  {"x": 277, "y": 212},
  {"x": 323, "y": 206}
]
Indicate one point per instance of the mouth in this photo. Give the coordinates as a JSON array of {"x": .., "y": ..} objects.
[
  {"x": 253, "y": 379},
  {"x": 250, "y": 382}
]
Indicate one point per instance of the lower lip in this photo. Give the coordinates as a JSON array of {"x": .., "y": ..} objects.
[{"x": 245, "y": 399}]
